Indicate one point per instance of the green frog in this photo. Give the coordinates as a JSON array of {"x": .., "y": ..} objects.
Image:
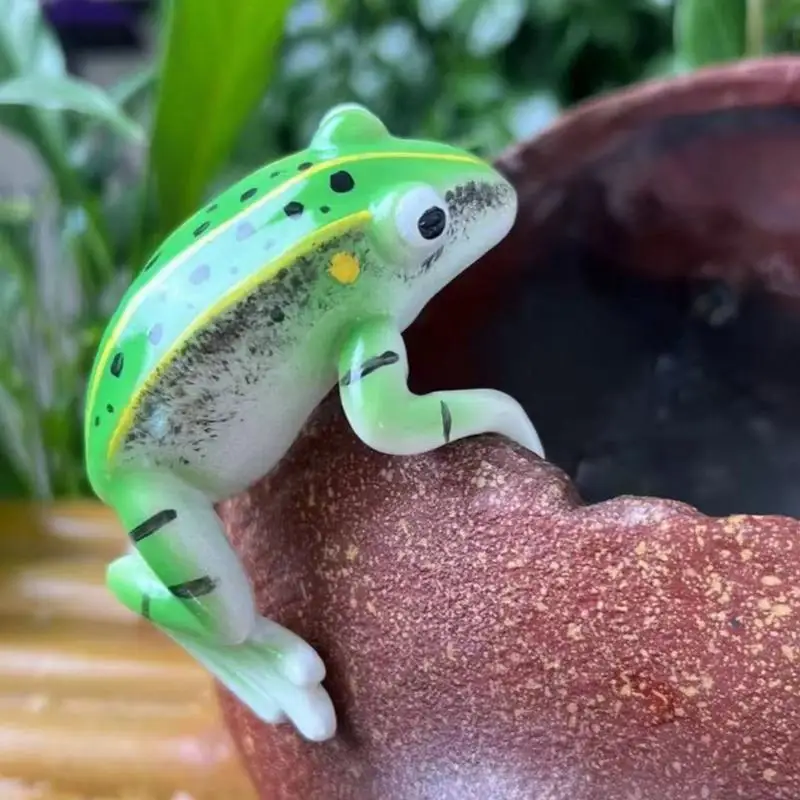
[{"x": 301, "y": 276}]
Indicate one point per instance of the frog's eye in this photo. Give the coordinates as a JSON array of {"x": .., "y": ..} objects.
[{"x": 421, "y": 217}]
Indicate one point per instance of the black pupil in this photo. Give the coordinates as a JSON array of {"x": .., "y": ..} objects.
[{"x": 431, "y": 223}]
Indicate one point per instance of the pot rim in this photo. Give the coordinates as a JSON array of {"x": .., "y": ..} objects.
[{"x": 584, "y": 130}]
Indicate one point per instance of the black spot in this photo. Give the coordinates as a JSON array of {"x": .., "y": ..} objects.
[
  {"x": 145, "y": 606},
  {"x": 156, "y": 332},
  {"x": 152, "y": 261},
  {"x": 277, "y": 315},
  {"x": 184, "y": 460},
  {"x": 324, "y": 209},
  {"x": 212, "y": 207},
  {"x": 152, "y": 524},
  {"x": 304, "y": 166},
  {"x": 293, "y": 209},
  {"x": 432, "y": 223},
  {"x": 274, "y": 174},
  {"x": 198, "y": 587},
  {"x": 117, "y": 363},
  {"x": 245, "y": 196},
  {"x": 201, "y": 229},
  {"x": 432, "y": 258},
  {"x": 96, "y": 422},
  {"x": 110, "y": 408},
  {"x": 199, "y": 274},
  {"x": 385, "y": 359},
  {"x": 447, "y": 421},
  {"x": 342, "y": 181}
]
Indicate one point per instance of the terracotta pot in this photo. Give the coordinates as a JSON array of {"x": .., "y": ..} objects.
[{"x": 489, "y": 635}]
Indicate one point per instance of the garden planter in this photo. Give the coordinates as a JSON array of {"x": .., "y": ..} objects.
[{"x": 623, "y": 620}]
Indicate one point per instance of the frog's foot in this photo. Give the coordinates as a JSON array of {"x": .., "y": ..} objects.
[
  {"x": 373, "y": 374},
  {"x": 186, "y": 579},
  {"x": 276, "y": 674},
  {"x": 273, "y": 671}
]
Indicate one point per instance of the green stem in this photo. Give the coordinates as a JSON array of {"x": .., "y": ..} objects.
[
  {"x": 755, "y": 34},
  {"x": 23, "y": 393},
  {"x": 73, "y": 194}
]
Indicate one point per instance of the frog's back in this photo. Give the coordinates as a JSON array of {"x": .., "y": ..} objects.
[
  {"x": 234, "y": 264},
  {"x": 200, "y": 263}
]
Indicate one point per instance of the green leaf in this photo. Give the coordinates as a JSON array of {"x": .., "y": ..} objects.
[
  {"x": 710, "y": 31},
  {"x": 69, "y": 94},
  {"x": 28, "y": 47},
  {"x": 665, "y": 65},
  {"x": 549, "y": 10},
  {"x": 495, "y": 25},
  {"x": 16, "y": 210},
  {"x": 433, "y": 14},
  {"x": 133, "y": 86},
  {"x": 20, "y": 447},
  {"x": 780, "y": 14},
  {"x": 95, "y": 153},
  {"x": 11, "y": 486},
  {"x": 217, "y": 62}
]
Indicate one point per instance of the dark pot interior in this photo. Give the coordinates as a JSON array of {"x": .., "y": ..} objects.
[
  {"x": 646, "y": 311},
  {"x": 682, "y": 390}
]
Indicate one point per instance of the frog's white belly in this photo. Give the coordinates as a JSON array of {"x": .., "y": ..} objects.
[
  {"x": 229, "y": 407},
  {"x": 267, "y": 422},
  {"x": 225, "y": 419}
]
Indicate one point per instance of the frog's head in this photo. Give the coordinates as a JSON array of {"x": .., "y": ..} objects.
[{"x": 435, "y": 209}]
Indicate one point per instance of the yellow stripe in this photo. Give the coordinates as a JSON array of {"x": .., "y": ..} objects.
[
  {"x": 324, "y": 234},
  {"x": 169, "y": 268}
]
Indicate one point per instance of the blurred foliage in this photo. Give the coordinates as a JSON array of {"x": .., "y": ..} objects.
[
  {"x": 208, "y": 84},
  {"x": 711, "y": 31},
  {"x": 478, "y": 73},
  {"x": 233, "y": 85}
]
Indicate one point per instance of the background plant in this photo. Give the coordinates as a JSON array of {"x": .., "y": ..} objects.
[{"x": 234, "y": 84}]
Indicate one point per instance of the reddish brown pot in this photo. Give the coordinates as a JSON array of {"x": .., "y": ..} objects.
[{"x": 489, "y": 636}]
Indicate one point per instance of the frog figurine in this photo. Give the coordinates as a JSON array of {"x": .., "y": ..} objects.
[{"x": 302, "y": 275}]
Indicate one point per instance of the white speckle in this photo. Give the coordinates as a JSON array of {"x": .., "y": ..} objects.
[
  {"x": 447, "y": 779},
  {"x": 158, "y": 422}
]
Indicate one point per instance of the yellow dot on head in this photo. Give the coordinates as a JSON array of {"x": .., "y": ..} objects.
[{"x": 344, "y": 267}]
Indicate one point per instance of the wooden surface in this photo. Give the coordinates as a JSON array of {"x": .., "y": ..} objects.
[{"x": 94, "y": 704}]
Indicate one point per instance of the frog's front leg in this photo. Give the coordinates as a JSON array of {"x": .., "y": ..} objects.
[
  {"x": 373, "y": 375},
  {"x": 186, "y": 578}
]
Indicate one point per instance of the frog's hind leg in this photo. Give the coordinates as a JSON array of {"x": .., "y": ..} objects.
[
  {"x": 187, "y": 580},
  {"x": 373, "y": 375}
]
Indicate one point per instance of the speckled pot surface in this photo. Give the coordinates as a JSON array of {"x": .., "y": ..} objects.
[
  {"x": 487, "y": 633},
  {"x": 488, "y": 637}
]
